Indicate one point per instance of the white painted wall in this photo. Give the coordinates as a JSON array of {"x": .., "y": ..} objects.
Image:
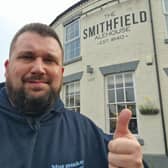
[{"x": 138, "y": 45}]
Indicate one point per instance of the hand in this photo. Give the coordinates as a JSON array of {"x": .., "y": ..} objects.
[{"x": 124, "y": 149}]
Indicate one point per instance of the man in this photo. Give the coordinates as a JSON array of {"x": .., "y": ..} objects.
[{"x": 36, "y": 130}]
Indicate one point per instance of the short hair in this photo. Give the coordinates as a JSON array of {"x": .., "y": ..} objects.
[{"x": 39, "y": 28}]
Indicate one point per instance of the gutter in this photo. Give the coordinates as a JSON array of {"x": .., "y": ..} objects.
[
  {"x": 158, "y": 79},
  {"x": 67, "y": 10},
  {"x": 78, "y": 4}
]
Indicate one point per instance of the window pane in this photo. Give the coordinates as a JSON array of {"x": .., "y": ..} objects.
[
  {"x": 119, "y": 81},
  {"x": 166, "y": 5},
  {"x": 72, "y": 50},
  {"x": 110, "y": 82},
  {"x": 111, "y": 96},
  {"x": 68, "y": 54},
  {"x": 77, "y": 100},
  {"x": 133, "y": 126},
  {"x": 76, "y": 47},
  {"x": 72, "y": 41},
  {"x": 72, "y": 30},
  {"x": 112, "y": 125},
  {"x": 112, "y": 110},
  {"x": 71, "y": 89},
  {"x": 68, "y": 33},
  {"x": 67, "y": 101},
  {"x": 129, "y": 94},
  {"x": 77, "y": 89},
  {"x": 120, "y": 95},
  {"x": 120, "y": 107},
  {"x": 72, "y": 95},
  {"x": 128, "y": 80},
  {"x": 132, "y": 107},
  {"x": 66, "y": 90},
  {"x": 71, "y": 101},
  {"x": 76, "y": 29}
]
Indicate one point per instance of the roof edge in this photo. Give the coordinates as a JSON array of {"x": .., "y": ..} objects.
[{"x": 67, "y": 10}]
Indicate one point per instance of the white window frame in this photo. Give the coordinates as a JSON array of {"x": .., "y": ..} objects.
[
  {"x": 69, "y": 96},
  {"x": 107, "y": 114},
  {"x": 68, "y": 58}
]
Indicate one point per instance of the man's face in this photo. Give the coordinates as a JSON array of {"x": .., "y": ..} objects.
[{"x": 34, "y": 71}]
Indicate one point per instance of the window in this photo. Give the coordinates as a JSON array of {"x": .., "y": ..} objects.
[
  {"x": 165, "y": 7},
  {"x": 119, "y": 95},
  {"x": 72, "y": 95},
  {"x": 72, "y": 41}
]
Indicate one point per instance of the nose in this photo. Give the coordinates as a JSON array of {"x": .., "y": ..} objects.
[{"x": 38, "y": 67}]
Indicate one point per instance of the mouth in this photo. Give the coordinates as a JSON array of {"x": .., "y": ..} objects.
[
  {"x": 36, "y": 80},
  {"x": 36, "y": 84}
]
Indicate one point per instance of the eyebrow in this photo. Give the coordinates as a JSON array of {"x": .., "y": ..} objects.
[{"x": 53, "y": 57}]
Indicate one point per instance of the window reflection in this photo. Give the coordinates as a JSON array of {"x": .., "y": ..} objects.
[
  {"x": 120, "y": 95},
  {"x": 72, "y": 95}
]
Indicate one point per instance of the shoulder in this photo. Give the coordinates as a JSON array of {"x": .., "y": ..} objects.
[
  {"x": 85, "y": 124},
  {"x": 2, "y": 84},
  {"x": 78, "y": 118}
]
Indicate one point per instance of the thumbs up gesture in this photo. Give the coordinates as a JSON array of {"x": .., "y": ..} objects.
[{"x": 124, "y": 149}]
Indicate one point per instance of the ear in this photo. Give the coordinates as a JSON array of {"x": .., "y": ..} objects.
[
  {"x": 6, "y": 63},
  {"x": 6, "y": 67},
  {"x": 62, "y": 70}
]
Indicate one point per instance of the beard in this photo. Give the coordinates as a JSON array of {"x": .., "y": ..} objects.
[{"x": 30, "y": 105}]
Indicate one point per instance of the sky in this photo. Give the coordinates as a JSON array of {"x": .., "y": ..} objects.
[{"x": 15, "y": 13}]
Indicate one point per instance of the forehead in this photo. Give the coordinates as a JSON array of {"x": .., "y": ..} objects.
[{"x": 34, "y": 42}]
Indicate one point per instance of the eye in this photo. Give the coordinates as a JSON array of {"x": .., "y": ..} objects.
[
  {"x": 26, "y": 57},
  {"x": 49, "y": 60}
]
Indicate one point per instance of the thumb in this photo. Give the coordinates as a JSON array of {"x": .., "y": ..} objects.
[{"x": 122, "y": 124}]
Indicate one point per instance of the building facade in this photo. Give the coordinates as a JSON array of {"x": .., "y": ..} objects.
[{"x": 115, "y": 57}]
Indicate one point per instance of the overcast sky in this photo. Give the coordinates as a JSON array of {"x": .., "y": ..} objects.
[{"x": 16, "y": 13}]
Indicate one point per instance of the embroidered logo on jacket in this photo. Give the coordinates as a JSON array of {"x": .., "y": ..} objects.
[{"x": 77, "y": 164}]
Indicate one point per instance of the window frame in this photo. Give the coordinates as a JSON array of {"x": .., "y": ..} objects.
[
  {"x": 71, "y": 59},
  {"x": 116, "y": 103},
  {"x": 75, "y": 107}
]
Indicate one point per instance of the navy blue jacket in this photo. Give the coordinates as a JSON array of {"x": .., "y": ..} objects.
[{"x": 58, "y": 139}]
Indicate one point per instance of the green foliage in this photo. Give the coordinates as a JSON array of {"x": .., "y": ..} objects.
[{"x": 148, "y": 108}]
